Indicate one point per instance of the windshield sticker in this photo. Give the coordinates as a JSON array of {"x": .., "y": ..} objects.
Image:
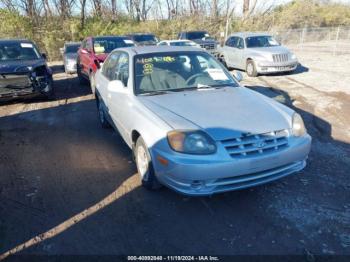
[
  {"x": 127, "y": 41},
  {"x": 164, "y": 59},
  {"x": 99, "y": 49},
  {"x": 26, "y": 45},
  {"x": 147, "y": 69},
  {"x": 217, "y": 74}
]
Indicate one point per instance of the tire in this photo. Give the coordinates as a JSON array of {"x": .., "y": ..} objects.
[
  {"x": 51, "y": 94},
  {"x": 223, "y": 61},
  {"x": 144, "y": 166},
  {"x": 92, "y": 82},
  {"x": 81, "y": 78},
  {"x": 251, "y": 69},
  {"x": 102, "y": 114}
]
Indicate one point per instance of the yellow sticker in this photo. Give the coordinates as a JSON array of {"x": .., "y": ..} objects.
[{"x": 147, "y": 69}]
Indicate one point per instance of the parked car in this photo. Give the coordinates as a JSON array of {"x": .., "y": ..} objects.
[
  {"x": 23, "y": 70},
  {"x": 70, "y": 55},
  {"x": 94, "y": 50},
  {"x": 257, "y": 53},
  {"x": 190, "y": 124},
  {"x": 201, "y": 38},
  {"x": 178, "y": 43},
  {"x": 142, "y": 39}
]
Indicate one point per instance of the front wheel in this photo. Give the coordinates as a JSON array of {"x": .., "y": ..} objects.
[
  {"x": 251, "y": 69},
  {"x": 144, "y": 165},
  {"x": 101, "y": 114},
  {"x": 92, "y": 82}
]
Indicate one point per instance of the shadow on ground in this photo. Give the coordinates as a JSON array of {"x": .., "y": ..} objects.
[{"x": 56, "y": 163}]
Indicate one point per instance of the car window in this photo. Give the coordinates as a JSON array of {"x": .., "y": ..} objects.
[
  {"x": 261, "y": 41},
  {"x": 109, "y": 65},
  {"x": 178, "y": 71},
  {"x": 240, "y": 43},
  {"x": 88, "y": 45},
  {"x": 18, "y": 51},
  {"x": 121, "y": 69}
]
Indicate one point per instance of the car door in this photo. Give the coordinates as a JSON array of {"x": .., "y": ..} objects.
[
  {"x": 239, "y": 54},
  {"x": 229, "y": 51},
  {"x": 119, "y": 103}
]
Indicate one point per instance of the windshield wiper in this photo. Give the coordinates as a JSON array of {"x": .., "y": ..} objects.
[{"x": 157, "y": 92}]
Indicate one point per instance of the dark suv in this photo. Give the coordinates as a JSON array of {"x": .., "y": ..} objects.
[
  {"x": 94, "y": 50},
  {"x": 202, "y": 38},
  {"x": 23, "y": 70},
  {"x": 142, "y": 39}
]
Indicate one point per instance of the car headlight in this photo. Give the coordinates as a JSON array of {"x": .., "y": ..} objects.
[
  {"x": 191, "y": 142},
  {"x": 298, "y": 128},
  {"x": 293, "y": 56}
]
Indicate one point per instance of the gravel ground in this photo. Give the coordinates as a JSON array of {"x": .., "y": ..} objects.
[{"x": 68, "y": 186}]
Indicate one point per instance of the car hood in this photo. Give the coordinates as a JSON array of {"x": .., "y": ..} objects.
[
  {"x": 222, "y": 113},
  {"x": 270, "y": 50},
  {"x": 9, "y": 67}
]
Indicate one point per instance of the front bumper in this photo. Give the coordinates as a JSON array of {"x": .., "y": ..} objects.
[
  {"x": 70, "y": 68},
  {"x": 24, "y": 85},
  {"x": 265, "y": 68},
  {"x": 198, "y": 177}
]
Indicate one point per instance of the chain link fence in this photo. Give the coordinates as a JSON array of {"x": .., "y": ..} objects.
[{"x": 335, "y": 40}]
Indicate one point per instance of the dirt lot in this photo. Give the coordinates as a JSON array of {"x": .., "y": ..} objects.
[{"x": 68, "y": 186}]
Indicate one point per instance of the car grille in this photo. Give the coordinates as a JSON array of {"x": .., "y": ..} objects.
[
  {"x": 208, "y": 46},
  {"x": 280, "y": 58},
  {"x": 253, "y": 145}
]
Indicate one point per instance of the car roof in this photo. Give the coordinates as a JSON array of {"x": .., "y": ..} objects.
[
  {"x": 249, "y": 34},
  {"x": 140, "y": 34},
  {"x": 136, "y": 50},
  {"x": 72, "y": 43},
  {"x": 194, "y": 31},
  {"x": 13, "y": 40},
  {"x": 176, "y": 41}
]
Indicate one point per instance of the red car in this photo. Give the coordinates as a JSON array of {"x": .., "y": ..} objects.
[{"x": 94, "y": 50}]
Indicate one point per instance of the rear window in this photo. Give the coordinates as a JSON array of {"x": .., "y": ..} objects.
[
  {"x": 72, "y": 48},
  {"x": 18, "y": 51},
  {"x": 145, "y": 38},
  {"x": 197, "y": 35},
  {"x": 108, "y": 44}
]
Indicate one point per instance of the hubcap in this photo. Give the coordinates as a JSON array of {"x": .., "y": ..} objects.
[
  {"x": 142, "y": 162},
  {"x": 250, "y": 69}
]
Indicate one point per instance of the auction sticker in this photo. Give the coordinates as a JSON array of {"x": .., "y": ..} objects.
[
  {"x": 26, "y": 45},
  {"x": 217, "y": 74}
]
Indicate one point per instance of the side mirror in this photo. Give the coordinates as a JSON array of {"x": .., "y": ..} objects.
[
  {"x": 61, "y": 50},
  {"x": 43, "y": 55},
  {"x": 238, "y": 75},
  {"x": 115, "y": 86}
]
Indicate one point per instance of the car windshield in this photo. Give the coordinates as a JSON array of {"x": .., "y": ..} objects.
[
  {"x": 18, "y": 51},
  {"x": 197, "y": 35},
  {"x": 145, "y": 38},
  {"x": 182, "y": 43},
  {"x": 179, "y": 71},
  {"x": 107, "y": 44},
  {"x": 72, "y": 48},
  {"x": 260, "y": 41}
]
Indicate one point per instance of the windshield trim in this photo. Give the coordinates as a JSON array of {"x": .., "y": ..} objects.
[{"x": 189, "y": 88}]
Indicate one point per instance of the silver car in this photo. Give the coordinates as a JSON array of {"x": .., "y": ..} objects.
[
  {"x": 70, "y": 54},
  {"x": 191, "y": 126},
  {"x": 257, "y": 53}
]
